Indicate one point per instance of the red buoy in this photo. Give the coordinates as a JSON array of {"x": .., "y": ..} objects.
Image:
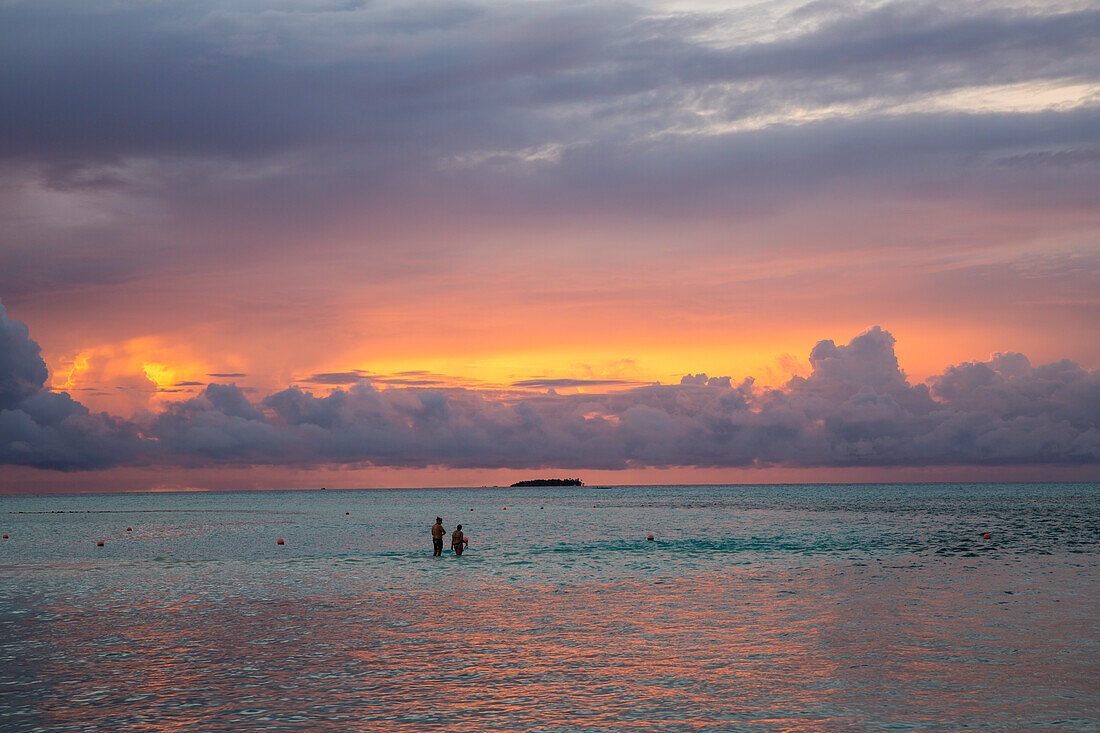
[
  {"x": 99, "y": 544},
  {"x": 347, "y": 513},
  {"x": 278, "y": 542},
  {"x": 129, "y": 529},
  {"x": 650, "y": 538},
  {"x": 5, "y": 536},
  {"x": 987, "y": 536}
]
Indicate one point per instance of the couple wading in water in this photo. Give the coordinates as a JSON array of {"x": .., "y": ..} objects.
[{"x": 458, "y": 540}]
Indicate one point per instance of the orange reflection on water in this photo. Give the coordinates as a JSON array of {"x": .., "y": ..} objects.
[{"x": 796, "y": 649}]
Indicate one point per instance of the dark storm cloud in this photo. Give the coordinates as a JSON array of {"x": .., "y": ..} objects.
[
  {"x": 856, "y": 408},
  {"x": 46, "y": 429},
  {"x": 22, "y": 370}
]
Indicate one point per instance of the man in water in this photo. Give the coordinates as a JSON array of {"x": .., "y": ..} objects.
[
  {"x": 458, "y": 541},
  {"x": 437, "y": 536}
]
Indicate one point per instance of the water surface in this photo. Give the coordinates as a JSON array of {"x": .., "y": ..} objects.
[{"x": 839, "y": 607}]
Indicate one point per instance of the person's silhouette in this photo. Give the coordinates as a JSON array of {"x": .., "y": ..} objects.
[
  {"x": 437, "y": 537},
  {"x": 458, "y": 540}
]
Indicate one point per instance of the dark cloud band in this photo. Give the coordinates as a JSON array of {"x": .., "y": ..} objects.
[{"x": 855, "y": 409}]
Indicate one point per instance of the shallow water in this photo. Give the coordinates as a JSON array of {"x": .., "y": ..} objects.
[{"x": 835, "y": 607}]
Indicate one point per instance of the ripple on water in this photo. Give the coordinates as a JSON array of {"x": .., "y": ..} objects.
[{"x": 796, "y": 608}]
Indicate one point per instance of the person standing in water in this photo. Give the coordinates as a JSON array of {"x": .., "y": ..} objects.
[
  {"x": 437, "y": 537},
  {"x": 458, "y": 540}
]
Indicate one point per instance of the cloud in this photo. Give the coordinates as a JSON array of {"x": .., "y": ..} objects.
[
  {"x": 335, "y": 378},
  {"x": 855, "y": 408},
  {"x": 299, "y": 118},
  {"x": 408, "y": 378},
  {"x": 47, "y": 429},
  {"x": 378, "y": 92},
  {"x": 558, "y": 383},
  {"x": 701, "y": 380},
  {"x": 22, "y": 370},
  {"x": 500, "y": 75}
]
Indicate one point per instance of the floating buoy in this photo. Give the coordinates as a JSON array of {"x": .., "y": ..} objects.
[
  {"x": 346, "y": 513},
  {"x": 129, "y": 529},
  {"x": 278, "y": 542},
  {"x": 987, "y": 536},
  {"x": 5, "y": 536},
  {"x": 471, "y": 509},
  {"x": 505, "y": 508},
  {"x": 650, "y": 538},
  {"x": 99, "y": 544}
]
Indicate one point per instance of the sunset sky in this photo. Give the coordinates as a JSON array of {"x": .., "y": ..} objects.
[{"x": 432, "y": 243}]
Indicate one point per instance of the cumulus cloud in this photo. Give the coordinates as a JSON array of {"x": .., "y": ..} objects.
[
  {"x": 855, "y": 408},
  {"x": 22, "y": 371},
  {"x": 46, "y": 429}
]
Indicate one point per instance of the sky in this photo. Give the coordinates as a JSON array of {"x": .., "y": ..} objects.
[{"x": 249, "y": 244}]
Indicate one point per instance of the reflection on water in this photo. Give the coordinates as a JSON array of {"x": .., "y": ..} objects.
[{"x": 769, "y": 616}]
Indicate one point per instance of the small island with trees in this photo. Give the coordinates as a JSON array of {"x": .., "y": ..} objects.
[{"x": 550, "y": 482}]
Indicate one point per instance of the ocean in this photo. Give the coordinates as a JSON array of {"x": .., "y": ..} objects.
[{"x": 753, "y": 608}]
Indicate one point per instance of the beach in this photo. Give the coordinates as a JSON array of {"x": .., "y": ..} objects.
[{"x": 771, "y": 608}]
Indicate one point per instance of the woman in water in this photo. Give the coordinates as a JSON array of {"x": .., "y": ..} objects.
[{"x": 458, "y": 541}]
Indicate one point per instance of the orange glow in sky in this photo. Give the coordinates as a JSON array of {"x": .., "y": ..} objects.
[{"x": 612, "y": 196}]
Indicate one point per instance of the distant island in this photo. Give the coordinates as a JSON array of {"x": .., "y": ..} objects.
[{"x": 550, "y": 482}]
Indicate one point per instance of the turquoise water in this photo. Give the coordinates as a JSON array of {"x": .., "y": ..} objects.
[{"x": 833, "y": 607}]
